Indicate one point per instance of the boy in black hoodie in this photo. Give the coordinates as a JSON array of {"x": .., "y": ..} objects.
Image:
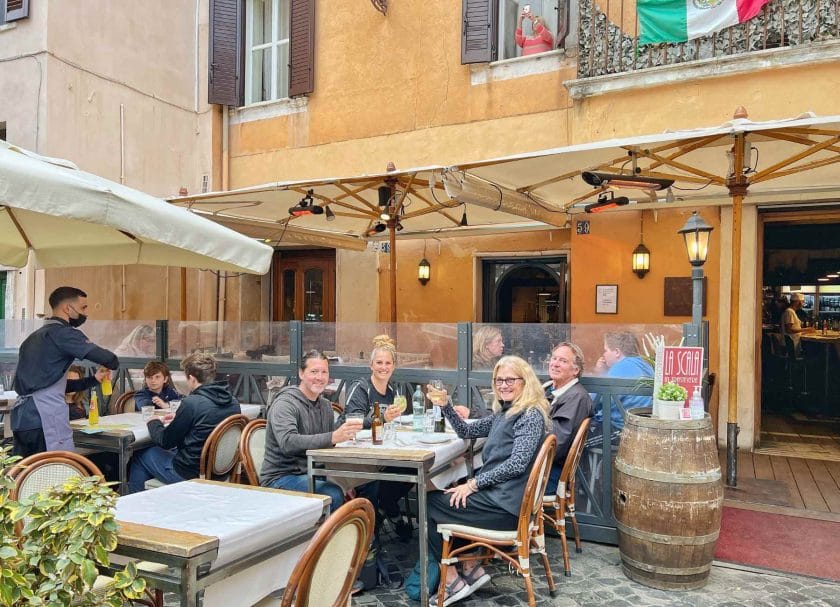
[{"x": 208, "y": 403}]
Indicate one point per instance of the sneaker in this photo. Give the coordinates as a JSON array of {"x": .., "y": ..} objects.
[
  {"x": 455, "y": 591},
  {"x": 357, "y": 587}
]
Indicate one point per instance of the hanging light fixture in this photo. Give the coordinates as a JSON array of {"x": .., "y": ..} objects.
[
  {"x": 464, "y": 222},
  {"x": 424, "y": 268},
  {"x": 329, "y": 213},
  {"x": 641, "y": 254}
]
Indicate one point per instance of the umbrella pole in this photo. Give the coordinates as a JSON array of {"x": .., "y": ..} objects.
[
  {"x": 392, "y": 232},
  {"x": 737, "y": 190}
]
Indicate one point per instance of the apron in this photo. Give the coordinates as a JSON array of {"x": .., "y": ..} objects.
[{"x": 49, "y": 405}]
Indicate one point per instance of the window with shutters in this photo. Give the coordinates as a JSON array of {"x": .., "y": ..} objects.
[
  {"x": 267, "y": 50},
  {"x": 12, "y": 10},
  {"x": 505, "y": 29}
]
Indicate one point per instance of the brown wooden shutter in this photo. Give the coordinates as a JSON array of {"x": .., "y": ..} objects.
[
  {"x": 301, "y": 47},
  {"x": 15, "y": 9},
  {"x": 478, "y": 37},
  {"x": 226, "y": 80},
  {"x": 563, "y": 8}
]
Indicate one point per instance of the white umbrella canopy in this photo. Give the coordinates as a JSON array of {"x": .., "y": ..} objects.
[{"x": 66, "y": 217}]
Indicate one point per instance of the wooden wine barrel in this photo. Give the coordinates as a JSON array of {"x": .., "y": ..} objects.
[{"x": 667, "y": 500}]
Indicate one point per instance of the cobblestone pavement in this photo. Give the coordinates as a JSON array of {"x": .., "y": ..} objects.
[{"x": 597, "y": 580}]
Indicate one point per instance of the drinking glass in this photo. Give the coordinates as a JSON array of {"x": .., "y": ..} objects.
[
  {"x": 429, "y": 422},
  {"x": 147, "y": 411},
  {"x": 401, "y": 402},
  {"x": 359, "y": 419},
  {"x": 173, "y": 406},
  {"x": 390, "y": 432}
]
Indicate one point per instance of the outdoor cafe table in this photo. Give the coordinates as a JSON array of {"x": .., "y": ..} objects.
[
  {"x": 409, "y": 461},
  {"x": 122, "y": 434},
  {"x": 221, "y": 544}
]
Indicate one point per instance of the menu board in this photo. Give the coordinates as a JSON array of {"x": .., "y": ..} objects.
[{"x": 681, "y": 365}]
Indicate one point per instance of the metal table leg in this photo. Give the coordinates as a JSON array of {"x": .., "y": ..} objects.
[{"x": 423, "y": 535}]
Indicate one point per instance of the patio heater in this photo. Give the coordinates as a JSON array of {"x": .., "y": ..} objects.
[{"x": 696, "y": 233}]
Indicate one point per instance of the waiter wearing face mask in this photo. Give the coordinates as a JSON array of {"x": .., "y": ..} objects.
[{"x": 40, "y": 416}]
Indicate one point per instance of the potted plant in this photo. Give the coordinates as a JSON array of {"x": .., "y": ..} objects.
[
  {"x": 668, "y": 400},
  {"x": 62, "y": 536}
]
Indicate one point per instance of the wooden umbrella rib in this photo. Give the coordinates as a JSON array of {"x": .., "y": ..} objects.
[
  {"x": 18, "y": 226},
  {"x": 761, "y": 175},
  {"x": 802, "y": 140},
  {"x": 581, "y": 198},
  {"x": 684, "y": 167},
  {"x": 792, "y": 171},
  {"x": 355, "y": 194}
]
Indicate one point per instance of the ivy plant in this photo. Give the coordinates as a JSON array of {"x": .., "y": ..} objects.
[{"x": 52, "y": 543}]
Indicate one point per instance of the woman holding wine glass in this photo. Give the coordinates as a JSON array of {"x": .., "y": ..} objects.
[{"x": 378, "y": 388}]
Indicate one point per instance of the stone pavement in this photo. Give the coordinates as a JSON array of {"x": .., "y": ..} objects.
[{"x": 597, "y": 580}]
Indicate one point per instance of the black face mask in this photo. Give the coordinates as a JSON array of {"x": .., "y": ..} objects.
[{"x": 79, "y": 320}]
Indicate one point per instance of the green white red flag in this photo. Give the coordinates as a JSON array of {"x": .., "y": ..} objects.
[{"x": 681, "y": 20}]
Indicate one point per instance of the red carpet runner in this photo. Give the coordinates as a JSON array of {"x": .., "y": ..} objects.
[{"x": 775, "y": 541}]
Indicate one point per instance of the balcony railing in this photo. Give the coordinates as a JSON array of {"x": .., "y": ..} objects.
[{"x": 609, "y": 35}]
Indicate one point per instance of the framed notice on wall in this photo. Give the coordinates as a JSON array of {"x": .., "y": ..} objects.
[{"x": 606, "y": 299}]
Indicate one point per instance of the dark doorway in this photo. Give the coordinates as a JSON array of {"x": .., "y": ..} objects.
[{"x": 525, "y": 290}]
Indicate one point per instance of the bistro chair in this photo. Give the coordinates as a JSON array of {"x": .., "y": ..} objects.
[
  {"x": 324, "y": 575},
  {"x": 512, "y": 546},
  {"x": 124, "y": 403},
  {"x": 220, "y": 455},
  {"x": 562, "y": 504},
  {"x": 42, "y": 472},
  {"x": 252, "y": 451}
]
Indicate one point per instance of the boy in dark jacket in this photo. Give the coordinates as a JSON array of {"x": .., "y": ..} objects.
[
  {"x": 208, "y": 403},
  {"x": 158, "y": 389}
]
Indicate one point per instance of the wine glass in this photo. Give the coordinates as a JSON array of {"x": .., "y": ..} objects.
[{"x": 357, "y": 418}]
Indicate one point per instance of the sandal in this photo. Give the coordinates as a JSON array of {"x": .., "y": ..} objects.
[
  {"x": 476, "y": 578},
  {"x": 454, "y": 591}
]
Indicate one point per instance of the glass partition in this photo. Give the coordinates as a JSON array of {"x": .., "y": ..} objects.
[
  {"x": 237, "y": 341},
  {"x": 419, "y": 345}
]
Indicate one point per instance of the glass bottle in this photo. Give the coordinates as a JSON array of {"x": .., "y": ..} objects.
[
  {"x": 93, "y": 413},
  {"x": 376, "y": 428}
]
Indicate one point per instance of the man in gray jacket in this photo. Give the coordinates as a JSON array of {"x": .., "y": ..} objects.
[{"x": 300, "y": 418}]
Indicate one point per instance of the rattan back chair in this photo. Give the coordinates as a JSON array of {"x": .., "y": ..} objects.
[
  {"x": 220, "y": 455},
  {"x": 49, "y": 469},
  {"x": 252, "y": 451},
  {"x": 324, "y": 575},
  {"x": 124, "y": 403},
  {"x": 562, "y": 504},
  {"x": 512, "y": 546}
]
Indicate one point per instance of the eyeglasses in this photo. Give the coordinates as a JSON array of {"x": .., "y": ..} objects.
[{"x": 505, "y": 381}]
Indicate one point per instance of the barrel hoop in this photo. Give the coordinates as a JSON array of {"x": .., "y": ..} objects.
[
  {"x": 695, "y": 478},
  {"x": 645, "y": 421},
  {"x": 675, "y": 540},
  {"x": 666, "y": 570}
]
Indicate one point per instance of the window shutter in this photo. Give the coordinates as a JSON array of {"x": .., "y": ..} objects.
[
  {"x": 301, "y": 47},
  {"x": 226, "y": 80},
  {"x": 15, "y": 9},
  {"x": 563, "y": 9},
  {"x": 478, "y": 37}
]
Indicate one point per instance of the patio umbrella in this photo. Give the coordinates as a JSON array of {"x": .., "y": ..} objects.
[{"x": 66, "y": 217}]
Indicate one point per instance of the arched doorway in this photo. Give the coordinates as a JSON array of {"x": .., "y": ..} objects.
[{"x": 525, "y": 290}]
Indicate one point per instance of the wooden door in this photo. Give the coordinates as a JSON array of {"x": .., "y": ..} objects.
[{"x": 304, "y": 286}]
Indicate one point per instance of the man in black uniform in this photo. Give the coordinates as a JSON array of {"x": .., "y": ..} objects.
[{"x": 40, "y": 416}]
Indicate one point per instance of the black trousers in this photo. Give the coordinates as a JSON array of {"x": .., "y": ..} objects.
[
  {"x": 391, "y": 492},
  {"x": 29, "y": 442},
  {"x": 481, "y": 511}
]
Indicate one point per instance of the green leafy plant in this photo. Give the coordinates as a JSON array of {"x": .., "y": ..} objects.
[
  {"x": 671, "y": 391},
  {"x": 62, "y": 536}
]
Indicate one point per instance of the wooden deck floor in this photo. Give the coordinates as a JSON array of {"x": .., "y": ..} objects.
[{"x": 796, "y": 483}]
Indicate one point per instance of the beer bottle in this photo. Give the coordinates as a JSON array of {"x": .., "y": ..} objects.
[
  {"x": 440, "y": 426},
  {"x": 93, "y": 414},
  {"x": 376, "y": 428}
]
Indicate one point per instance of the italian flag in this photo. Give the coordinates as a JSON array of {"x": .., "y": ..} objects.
[{"x": 681, "y": 20}]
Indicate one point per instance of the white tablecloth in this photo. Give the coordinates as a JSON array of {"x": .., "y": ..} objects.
[
  {"x": 243, "y": 519},
  {"x": 134, "y": 422}
]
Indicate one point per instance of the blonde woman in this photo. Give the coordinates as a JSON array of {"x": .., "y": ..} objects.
[
  {"x": 492, "y": 498},
  {"x": 377, "y": 388},
  {"x": 488, "y": 346}
]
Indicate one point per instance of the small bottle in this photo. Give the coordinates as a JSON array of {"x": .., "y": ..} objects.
[
  {"x": 93, "y": 414},
  {"x": 440, "y": 426},
  {"x": 696, "y": 404},
  {"x": 418, "y": 411},
  {"x": 107, "y": 388},
  {"x": 376, "y": 429}
]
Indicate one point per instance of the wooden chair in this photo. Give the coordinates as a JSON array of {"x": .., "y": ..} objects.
[
  {"x": 513, "y": 546},
  {"x": 252, "y": 451},
  {"x": 324, "y": 575},
  {"x": 562, "y": 504},
  {"x": 43, "y": 471},
  {"x": 220, "y": 455},
  {"x": 124, "y": 403}
]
